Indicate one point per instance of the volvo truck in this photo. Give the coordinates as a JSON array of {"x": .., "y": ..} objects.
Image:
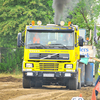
[{"x": 51, "y": 55}]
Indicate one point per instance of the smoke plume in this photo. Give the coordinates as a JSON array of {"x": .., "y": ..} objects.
[{"x": 60, "y": 7}]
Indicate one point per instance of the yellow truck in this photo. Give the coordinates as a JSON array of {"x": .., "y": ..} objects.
[{"x": 51, "y": 55}]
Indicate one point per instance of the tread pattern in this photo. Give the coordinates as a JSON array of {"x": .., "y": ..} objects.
[
  {"x": 73, "y": 84},
  {"x": 26, "y": 83}
]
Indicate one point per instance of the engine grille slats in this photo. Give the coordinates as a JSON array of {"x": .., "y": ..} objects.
[{"x": 49, "y": 66}]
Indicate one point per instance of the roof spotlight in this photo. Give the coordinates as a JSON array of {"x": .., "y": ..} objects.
[
  {"x": 62, "y": 23},
  {"x": 39, "y": 22}
]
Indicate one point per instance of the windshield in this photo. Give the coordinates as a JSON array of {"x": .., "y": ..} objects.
[{"x": 49, "y": 40}]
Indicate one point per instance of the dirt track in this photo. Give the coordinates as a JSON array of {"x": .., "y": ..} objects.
[{"x": 11, "y": 89}]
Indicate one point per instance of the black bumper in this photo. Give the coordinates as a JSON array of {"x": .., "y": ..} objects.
[{"x": 55, "y": 74}]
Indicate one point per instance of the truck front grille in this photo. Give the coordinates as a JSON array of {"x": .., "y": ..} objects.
[{"x": 49, "y": 66}]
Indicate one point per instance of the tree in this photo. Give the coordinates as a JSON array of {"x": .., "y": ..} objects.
[
  {"x": 16, "y": 14},
  {"x": 85, "y": 13}
]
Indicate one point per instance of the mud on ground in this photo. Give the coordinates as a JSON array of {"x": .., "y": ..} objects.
[{"x": 11, "y": 89}]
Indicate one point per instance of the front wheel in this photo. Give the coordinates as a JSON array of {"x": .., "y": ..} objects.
[
  {"x": 26, "y": 82},
  {"x": 73, "y": 84},
  {"x": 38, "y": 83}
]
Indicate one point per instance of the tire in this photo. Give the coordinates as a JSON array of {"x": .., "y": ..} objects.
[
  {"x": 38, "y": 84},
  {"x": 79, "y": 84},
  {"x": 26, "y": 82},
  {"x": 67, "y": 87},
  {"x": 33, "y": 82},
  {"x": 73, "y": 84}
]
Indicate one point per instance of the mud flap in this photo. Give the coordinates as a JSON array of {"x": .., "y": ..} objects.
[{"x": 79, "y": 78}]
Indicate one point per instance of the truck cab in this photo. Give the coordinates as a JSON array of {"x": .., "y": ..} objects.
[{"x": 51, "y": 55}]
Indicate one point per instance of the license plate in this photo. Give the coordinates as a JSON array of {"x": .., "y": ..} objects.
[
  {"x": 77, "y": 98},
  {"x": 29, "y": 74},
  {"x": 67, "y": 74},
  {"x": 48, "y": 75}
]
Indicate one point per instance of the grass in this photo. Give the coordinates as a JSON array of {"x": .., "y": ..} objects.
[{"x": 9, "y": 74}]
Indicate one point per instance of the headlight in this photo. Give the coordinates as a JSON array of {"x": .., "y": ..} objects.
[
  {"x": 29, "y": 65},
  {"x": 68, "y": 66}
]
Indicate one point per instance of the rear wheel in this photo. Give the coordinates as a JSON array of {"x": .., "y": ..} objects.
[
  {"x": 73, "y": 84},
  {"x": 79, "y": 84}
]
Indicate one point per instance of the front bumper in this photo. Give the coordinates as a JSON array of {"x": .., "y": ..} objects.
[{"x": 49, "y": 74}]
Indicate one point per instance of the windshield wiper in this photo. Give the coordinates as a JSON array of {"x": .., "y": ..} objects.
[
  {"x": 37, "y": 45},
  {"x": 60, "y": 45}
]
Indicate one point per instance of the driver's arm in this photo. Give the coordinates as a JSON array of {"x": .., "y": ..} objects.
[{"x": 96, "y": 59}]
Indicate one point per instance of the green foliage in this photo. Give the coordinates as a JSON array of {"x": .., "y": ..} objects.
[
  {"x": 16, "y": 14},
  {"x": 98, "y": 56},
  {"x": 11, "y": 60},
  {"x": 85, "y": 14}
]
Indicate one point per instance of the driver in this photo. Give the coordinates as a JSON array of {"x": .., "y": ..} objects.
[{"x": 36, "y": 38}]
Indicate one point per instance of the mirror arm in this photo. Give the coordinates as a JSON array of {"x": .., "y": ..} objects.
[
  {"x": 22, "y": 43},
  {"x": 76, "y": 45}
]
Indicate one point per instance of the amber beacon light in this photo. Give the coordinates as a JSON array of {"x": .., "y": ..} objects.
[
  {"x": 33, "y": 22},
  {"x": 69, "y": 23}
]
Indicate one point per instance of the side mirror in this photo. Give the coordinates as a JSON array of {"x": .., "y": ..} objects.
[
  {"x": 19, "y": 39},
  {"x": 80, "y": 41}
]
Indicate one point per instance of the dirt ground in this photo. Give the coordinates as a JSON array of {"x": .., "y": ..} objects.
[{"x": 11, "y": 89}]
